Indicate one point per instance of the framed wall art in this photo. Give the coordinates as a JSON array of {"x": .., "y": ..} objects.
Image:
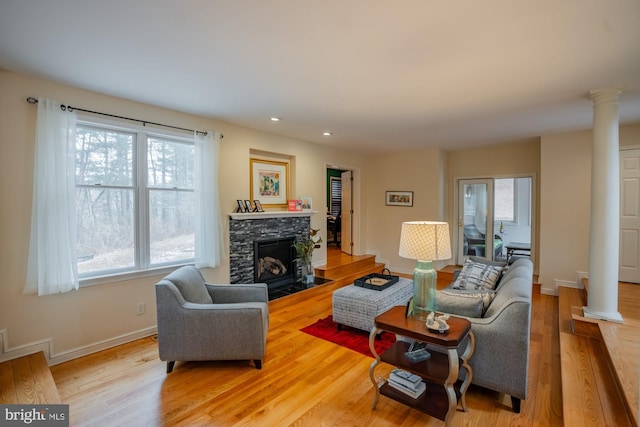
[
  {"x": 399, "y": 198},
  {"x": 269, "y": 182}
]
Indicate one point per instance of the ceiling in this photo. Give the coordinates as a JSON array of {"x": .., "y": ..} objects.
[{"x": 380, "y": 75}]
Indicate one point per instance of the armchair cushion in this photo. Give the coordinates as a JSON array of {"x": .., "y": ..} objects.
[{"x": 191, "y": 285}]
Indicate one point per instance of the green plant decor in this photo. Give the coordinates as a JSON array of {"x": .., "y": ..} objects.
[{"x": 304, "y": 248}]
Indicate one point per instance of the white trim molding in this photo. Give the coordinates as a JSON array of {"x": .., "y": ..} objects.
[
  {"x": 46, "y": 346},
  {"x": 270, "y": 214}
]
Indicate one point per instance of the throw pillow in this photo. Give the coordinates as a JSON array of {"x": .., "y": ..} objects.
[
  {"x": 477, "y": 276},
  {"x": 460, "y": 304},
  {"x": 190, "y": 283},
  {"x": 486, "y": 296}
]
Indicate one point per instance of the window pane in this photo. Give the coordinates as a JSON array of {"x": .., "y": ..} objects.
[
  {"x": 171, "y": 229},
  {"x": 104, "y": 157},
  {"x": 105, "y": 229},
  {"x": 504, "y": 195},
  {"x": 170, "y": 164},
  {"x": 336, "y": 195}
]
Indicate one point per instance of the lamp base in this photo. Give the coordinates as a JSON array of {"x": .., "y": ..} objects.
[{"x": 424, "y": 289}]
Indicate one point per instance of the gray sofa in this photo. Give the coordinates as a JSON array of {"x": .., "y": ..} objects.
[
  {"x": 501, "y": 358},
  {"x": 202, "y": 321}
]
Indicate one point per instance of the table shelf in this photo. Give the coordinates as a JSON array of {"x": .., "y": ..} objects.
[
  {"x": 435, "y": 369},
  {"x": 439, "y": 372},
  {"x": 433, "y": 402}
]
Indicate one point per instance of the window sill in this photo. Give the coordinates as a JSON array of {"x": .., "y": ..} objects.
[{"x": 129, "y": 275}]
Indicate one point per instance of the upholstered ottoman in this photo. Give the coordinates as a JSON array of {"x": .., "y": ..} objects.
[{"x": 357, "y": 307}]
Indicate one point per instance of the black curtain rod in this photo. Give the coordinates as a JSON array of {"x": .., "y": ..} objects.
[{"x": 32, "y": 100}]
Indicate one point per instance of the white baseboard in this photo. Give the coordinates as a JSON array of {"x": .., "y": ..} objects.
[
  {"x": 566, "y": 284},
  {"x": 46, "y": 346},
  {"x": 548, "y": 291},
  {"x": 558, "y": 283},
  {"x": 7, "y": 353},
  {"x": 582, "y": 275}
]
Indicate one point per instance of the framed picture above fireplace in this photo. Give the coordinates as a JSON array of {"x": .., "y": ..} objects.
[{"x": 269, "y": 182}]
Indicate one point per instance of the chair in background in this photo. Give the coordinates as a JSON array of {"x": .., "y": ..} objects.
[
  {"x": 202, "y": 321},
  {"x": 474, "y": 243},
  {"x": 334, "y": 226}
]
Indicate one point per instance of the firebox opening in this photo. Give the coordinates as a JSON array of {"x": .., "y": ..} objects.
[{"x": 274, "y": 261}]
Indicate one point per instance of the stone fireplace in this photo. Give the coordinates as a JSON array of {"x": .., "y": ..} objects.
[{"x": 248, "y": 229}]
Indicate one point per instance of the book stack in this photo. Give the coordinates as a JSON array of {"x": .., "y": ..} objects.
[{"x": 406, "y": 382}]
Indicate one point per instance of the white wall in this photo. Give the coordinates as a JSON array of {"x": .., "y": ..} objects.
[
  {"x": 68, "y": 325},
  {"x": 420, "y": 171},
  {"x": 565, "y": 205}
]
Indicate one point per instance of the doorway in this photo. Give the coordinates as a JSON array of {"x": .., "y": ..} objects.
[
  {"x": 629, "y": 257},
  {"x": 339, "y": 209},
  {"x": 494, "y": 218}
]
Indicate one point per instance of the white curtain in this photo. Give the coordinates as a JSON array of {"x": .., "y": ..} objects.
[
  {"x": 51, "y": 265},
  {"x": 208, "y": 228}
]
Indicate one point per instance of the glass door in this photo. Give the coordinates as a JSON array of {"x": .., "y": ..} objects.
[{"x": 475, "y": 219}]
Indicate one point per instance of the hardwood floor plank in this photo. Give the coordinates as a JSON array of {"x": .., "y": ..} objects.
[
  {"x": 613, "y": 409},
  {"x": 7, "y": 384}
]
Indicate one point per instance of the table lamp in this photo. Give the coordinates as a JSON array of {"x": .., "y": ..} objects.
[{"x": 424, "y": 241}]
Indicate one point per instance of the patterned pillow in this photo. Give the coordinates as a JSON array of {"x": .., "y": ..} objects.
[{"x": 477, "y": 276}]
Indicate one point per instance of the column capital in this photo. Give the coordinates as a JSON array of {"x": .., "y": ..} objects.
[{"x": 606, "y": 94}]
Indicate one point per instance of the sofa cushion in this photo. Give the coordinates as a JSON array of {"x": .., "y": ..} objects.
[
  {"x": 477, "y": 276},
  {"x": 460, "y": 303},
  {"x": 190, "y": 283}
]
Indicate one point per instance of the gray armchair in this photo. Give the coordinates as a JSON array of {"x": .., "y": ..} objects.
[{"x": 202, "y": 321}]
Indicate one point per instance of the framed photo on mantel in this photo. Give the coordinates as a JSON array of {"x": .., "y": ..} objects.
[{"x": 269, "y": 182}]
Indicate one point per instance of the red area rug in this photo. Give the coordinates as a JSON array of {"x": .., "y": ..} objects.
[{"x": 351, "y": 338}]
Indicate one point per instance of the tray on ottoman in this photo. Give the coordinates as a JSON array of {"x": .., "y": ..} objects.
[{"x": 376, "y": 281}]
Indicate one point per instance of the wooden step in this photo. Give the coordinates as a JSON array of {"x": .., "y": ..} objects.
[
  {"x": 27, "y": 380},
  {"x": 589, "y": 391},
  {"x": 366, "y": 270},
  {"x": 351, "y": 265}
]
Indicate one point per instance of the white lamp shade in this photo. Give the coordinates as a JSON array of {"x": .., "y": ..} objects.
[{"x": 425, "y": 240}]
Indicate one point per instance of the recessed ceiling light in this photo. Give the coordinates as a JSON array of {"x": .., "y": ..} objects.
[
  {"x": 275, "y": 119},
  {"x": 326, "y": 133}
]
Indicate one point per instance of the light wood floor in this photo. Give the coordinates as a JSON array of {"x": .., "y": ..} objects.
[{"x": 305, "y": 381}]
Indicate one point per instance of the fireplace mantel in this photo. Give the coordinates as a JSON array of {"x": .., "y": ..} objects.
[{"x": 271, "y": 214}]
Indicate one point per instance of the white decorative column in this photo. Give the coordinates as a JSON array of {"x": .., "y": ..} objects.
[{"x": 605, "y": 207}]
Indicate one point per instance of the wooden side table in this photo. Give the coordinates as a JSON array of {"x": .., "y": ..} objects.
[{"x": 439, "y": 372}]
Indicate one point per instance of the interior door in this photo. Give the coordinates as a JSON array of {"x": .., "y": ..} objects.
[
  {"x": 346, "y": 242},
  {"x": 475, "y": 219},
  {"x": 629, "y": 261}
]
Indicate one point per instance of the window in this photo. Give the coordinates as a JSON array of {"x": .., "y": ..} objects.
[
  {"x": 505, "y": 199},
  {"x": 134, "y": 200},
  {"x": 336, "y": 195}
]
